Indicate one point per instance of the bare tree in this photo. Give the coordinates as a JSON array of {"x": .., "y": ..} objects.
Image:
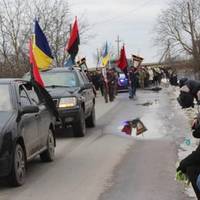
[
  {"x": 179, "y": 26},
  {"x": 16, "y": 27}
]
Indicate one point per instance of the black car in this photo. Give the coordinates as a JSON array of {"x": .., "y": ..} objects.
[
  {"x": 74, "y": 97},
  {"x": 27, "y": 129}
]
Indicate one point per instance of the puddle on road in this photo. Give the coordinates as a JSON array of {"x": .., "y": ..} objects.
[
  {"x": 136, "y": 124},
  {"x": 150, "y": 129}
]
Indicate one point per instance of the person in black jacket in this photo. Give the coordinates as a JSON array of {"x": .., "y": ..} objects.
[
  {"x": 190, "y": 165},
  {"x": 189, "y": 90},
  {"x": 132, "y": 82},
  {"x": 111, "y": 84}
]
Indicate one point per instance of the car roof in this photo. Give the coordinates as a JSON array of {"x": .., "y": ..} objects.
[
  {"x": 11, "y": 80},
  {"x": 61, "y": 69}
]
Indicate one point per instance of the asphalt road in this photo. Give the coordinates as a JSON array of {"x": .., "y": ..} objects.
[{"x": 108, "y": 165}]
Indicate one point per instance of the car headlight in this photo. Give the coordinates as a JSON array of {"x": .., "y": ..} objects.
[{"x": 68, "y": 102}]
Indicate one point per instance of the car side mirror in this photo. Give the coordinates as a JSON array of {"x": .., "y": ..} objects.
[{"x": 29, "y": 109}]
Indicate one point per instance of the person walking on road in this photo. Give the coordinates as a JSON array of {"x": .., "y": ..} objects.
[
  {"x": 132, "y": 82},
  {"x": 111, "y": 84}
]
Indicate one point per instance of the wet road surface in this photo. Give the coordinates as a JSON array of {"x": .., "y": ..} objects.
[{"x": 109, "y": 165}]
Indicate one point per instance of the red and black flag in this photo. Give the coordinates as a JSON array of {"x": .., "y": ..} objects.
[
  {"x": 122, "y": 63},
  {"x": 72, "y": 46}
]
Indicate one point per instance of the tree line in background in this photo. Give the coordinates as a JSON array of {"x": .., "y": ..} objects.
[
  {"x": 16, "y": 28},
  {"x": 177, "y": 32}
]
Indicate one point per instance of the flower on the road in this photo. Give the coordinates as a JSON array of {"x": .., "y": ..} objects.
[{"x": 137, "y": 124}]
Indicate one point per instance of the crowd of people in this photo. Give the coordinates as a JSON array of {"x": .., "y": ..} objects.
[
  {"x": 143, "y": 77},
  {"x": 106, "y": 80}
]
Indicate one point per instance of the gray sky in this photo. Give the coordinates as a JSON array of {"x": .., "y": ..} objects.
[{"x": 132, "y": 20}]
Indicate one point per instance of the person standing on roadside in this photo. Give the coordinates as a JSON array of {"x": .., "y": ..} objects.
[
  {"x": 141, "y": 78},
  {"x": 132, "y": 82}
]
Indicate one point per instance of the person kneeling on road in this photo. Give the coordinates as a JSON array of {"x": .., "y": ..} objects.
[
  {"x": 190, "y": 166},
  {"x": 189, "y": 90}
]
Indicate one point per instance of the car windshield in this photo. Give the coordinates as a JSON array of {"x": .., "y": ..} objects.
[
  {"x": 62, "y": 79},
  {"x": 5, "y": 102}
]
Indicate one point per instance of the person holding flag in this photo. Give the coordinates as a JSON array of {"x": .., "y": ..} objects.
[
  {"x": 123, "y": 65},
  {"x": 73, "y": 43},
  {"x": 105, "y": 56}
]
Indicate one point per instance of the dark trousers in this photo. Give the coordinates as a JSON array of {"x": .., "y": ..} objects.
[
  {"x": 191, "y": 167},
  {"x": 132, "y": 90},
  {"x": 111, "y": 91},
  {"x": 101, "y": 89},
  {"x": 105, "y": 93},
  {"x": 192, "y": 173}
]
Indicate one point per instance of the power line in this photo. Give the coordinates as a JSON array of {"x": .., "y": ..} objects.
[{"x": 127, "y": 13}]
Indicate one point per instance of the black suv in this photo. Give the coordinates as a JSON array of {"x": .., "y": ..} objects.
[
  {"x": 26, "y": 129},
  {"x": 74, "y": 97}
]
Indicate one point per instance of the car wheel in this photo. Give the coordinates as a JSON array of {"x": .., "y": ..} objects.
[
  {"x": 79, "y": 126},
  {"x": 18, "y": 171},
  {"x": 91, "y": 120},
  {"x": 49, "y": 154}
]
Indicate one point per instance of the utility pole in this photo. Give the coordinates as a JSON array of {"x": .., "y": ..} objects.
[
  {"x": 118, "y": 42},
  {"x": 98, "y": 57}
]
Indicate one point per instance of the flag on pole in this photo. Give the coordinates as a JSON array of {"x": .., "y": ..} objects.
[
  {"x": 105, "y": 56},
  {"x": 72, "y": 46},
  {"x": 122, "y": 62},
  {"x": 38, "y": 83},
  {"x": 137, "y": 60},
  {"x": 34, "y": 70},
  {"x": 98, "y": 58},
  {"x": 40, "y": 48}
]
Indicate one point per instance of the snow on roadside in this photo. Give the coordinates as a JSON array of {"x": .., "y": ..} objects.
[{"x": 190, "y": 143}]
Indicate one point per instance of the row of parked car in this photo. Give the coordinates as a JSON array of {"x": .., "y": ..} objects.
[{"x": 28, "y": 128}]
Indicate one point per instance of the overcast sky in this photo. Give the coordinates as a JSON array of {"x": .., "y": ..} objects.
[{"x": 132, "y": 20}]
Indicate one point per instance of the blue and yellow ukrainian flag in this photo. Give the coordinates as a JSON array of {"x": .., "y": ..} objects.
[
  {"x": 105, "y": 56},
  {"x": 41, "y": 50}
]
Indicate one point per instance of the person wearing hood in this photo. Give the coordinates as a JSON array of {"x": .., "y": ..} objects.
[
  {"x": 189, "y": 90},
  {"x": 190, "y": 166},
  {"x": 182, "y": 82}
]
